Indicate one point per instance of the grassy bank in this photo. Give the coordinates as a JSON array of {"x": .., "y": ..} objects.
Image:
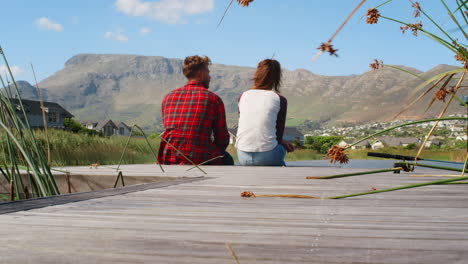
[{"x": 69, "y": 149}]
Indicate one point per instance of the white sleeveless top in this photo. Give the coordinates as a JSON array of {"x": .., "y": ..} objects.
[{"x": 258, "y": 111}]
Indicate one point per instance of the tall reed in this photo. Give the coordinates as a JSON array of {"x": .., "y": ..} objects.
[{"x": 20, "y": 147}]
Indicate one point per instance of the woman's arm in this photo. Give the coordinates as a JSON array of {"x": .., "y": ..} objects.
[{"x": 281, "y": 123}]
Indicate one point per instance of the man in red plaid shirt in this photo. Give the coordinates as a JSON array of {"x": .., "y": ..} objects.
[{"x": 194, "y": 120}]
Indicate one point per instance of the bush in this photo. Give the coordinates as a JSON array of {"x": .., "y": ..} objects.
[
  {"x": 154, "y": 136},
  {"x": 75, "y": 127},
  {"x": 410, "y": 146},
  {"x": 322, "y": 143}
]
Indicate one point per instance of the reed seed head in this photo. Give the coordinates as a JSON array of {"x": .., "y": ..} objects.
[
  {"x": 327, "y": 47},
  {"x": 417, "y": 9},
  {"x": 460, "y": 58},
  {"x": 441, "y": 94},
  {"x": 337, "y": 154},
  {"x": 247, "y": 194},
  {"x": 244, "y": 3},
  {"x": 377, "y": 64},
  {"x": 414, "y": 28},
  {"x": 451, "y": 89},
  {"x": 372, "y": 16}
]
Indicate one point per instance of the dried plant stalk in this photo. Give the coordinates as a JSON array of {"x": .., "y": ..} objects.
[
  {"x": 249, "y": 194},
  {"x": 338, "y": 30},
  {"x": 233, "y": 254},
  {"x": 440, "y": 115},
  {"x": 421, "y": 96}
]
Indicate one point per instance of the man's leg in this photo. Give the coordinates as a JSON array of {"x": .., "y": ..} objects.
[{"x": 227, "y": 159}]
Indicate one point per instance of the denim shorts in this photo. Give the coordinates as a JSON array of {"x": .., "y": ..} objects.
[{"x": 274, "y": 157}]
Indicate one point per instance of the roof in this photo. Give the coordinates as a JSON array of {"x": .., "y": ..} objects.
[
  {"x": 122, "y": 124},
  {"x": 292, "y": 131},
  {"x": 34, "y": 107},
  {"x": 102, "y": 123},
  {"x": 397, "y": 141}
]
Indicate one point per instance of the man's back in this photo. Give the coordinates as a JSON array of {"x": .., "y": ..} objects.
[{"x": 191, "y": 115}]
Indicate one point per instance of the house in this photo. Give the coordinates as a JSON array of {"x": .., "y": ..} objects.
[
  {"x": 107, "y": 127},
  {"x": 54, "y": 113},
  {"x": 434, "y": 142},
  {"x": 291, "y": 133},
  {"x": 123, "y": 129},
  {"x": 232, "y": 135},
  {"x": 362, "y": 145},
  {"x": 398, "y": 141},
  {"x": 342, "y": 144},
  {"x": 377, "y": 145}
]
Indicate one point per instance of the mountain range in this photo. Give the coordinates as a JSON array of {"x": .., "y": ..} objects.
[{"x": 130, "y": 88}]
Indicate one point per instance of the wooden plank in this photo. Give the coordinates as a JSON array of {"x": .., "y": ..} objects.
[
  {"x": 22, "y": 205},
  {"x": 192, "y": 221}
]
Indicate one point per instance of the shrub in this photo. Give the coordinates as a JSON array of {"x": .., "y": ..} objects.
[{"x": 322, "y": 143}]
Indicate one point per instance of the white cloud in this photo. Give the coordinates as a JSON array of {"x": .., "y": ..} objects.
[
  {"x": 44, "y": 23},
  {"x": 145, "y": 31},
  {"x": 14, "y": 69},
  {"x": 118, "y": 36},
  {"x": 167, "y": 11}
]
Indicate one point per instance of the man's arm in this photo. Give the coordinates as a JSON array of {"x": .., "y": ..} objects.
[{"x": 220, "y": 132}]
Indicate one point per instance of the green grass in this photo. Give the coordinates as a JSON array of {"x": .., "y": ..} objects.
[
  {"x": 69, "y": 149},
  {"x": 304, "y": 154},
  {"x": 293, "y": 122},
  {"x": 309, "y": 154}
]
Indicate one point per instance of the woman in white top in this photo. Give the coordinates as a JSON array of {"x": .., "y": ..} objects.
[{"x": 262, "y": 117}]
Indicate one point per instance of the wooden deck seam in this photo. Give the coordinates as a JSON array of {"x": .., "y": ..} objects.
[{"x": 24, "y": 205}]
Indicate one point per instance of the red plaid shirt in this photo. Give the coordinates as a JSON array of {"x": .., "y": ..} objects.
[{"x": 191, "y": 115}]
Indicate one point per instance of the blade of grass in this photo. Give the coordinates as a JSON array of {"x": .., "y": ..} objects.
[
  {"x": 352, "y": 174},
  {"x": 435, "y": 23},
  {"x": 400, "y": 188},
  {"x": 41, "y": 101},
  {"x": 451, "y": 15}
]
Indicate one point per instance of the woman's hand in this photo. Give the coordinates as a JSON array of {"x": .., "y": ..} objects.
[{"x": 288, "y": 146}]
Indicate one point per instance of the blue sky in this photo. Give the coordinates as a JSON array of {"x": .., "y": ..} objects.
[{"x": 49, "y": 32}]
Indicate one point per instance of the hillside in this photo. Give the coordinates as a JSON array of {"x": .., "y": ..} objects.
[{"x": 130, "y": 88}]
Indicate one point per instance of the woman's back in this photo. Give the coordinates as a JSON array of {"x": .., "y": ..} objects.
[{"x": 258, "y": 115}]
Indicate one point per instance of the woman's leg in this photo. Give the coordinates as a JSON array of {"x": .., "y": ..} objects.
[
  {"x": 274, "y": 157},
  {"x": 245, "y": 158}
]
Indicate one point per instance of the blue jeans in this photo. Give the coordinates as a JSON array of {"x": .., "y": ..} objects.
[{"x": 274, "y": 157}]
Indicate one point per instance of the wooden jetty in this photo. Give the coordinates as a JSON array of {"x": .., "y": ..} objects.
[{"x": 191, "y": 218}]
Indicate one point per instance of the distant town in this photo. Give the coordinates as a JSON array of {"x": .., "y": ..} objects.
[{"x": 446, "y": 132}]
